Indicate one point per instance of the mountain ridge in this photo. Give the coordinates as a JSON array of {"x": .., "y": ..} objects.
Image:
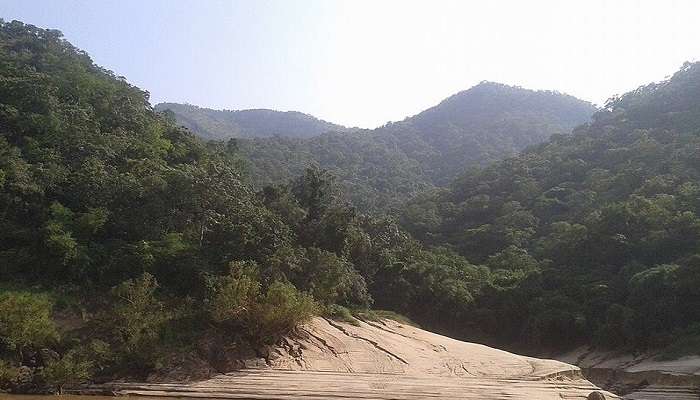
[
  {"x": 211, "y": 124},
  {"x": 378, "y": 168}
]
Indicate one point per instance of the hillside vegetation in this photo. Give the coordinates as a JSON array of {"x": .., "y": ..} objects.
[
  {"x": 126, "y": 243},
  {"x": 226, "y": 124},
  {"x": 589, "y": 237},
  {"x": 378, "y": 169}
]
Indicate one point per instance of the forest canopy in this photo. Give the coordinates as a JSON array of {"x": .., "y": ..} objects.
[
  {"x": 136, "y": 245},
  {"x": 133, "y": 243},
  {"x": 593, "y": 236},
  {"x": 378, "y": 169}
]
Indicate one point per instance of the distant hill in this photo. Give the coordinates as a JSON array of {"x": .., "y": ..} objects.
[
  {"x": 382, "y": 167},
  {"x": 225, "y": 124},
  {"x": 595, "y": 235},
  {"x": 488, "y": 122}
]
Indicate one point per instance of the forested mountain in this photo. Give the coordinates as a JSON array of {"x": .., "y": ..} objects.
[
  {"x": 588, "y": 237},
  {"x": 380, "y": 168},
  {"x": 225, "y": 124},
  {"x": 127, "y": 244}
]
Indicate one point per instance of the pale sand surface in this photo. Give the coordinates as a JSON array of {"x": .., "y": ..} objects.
[
  {"x": 383, "y": 360},
  {"x": 665, "y": 379}
]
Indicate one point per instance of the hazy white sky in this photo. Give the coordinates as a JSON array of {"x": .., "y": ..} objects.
[{"x": 363, "y": 63}]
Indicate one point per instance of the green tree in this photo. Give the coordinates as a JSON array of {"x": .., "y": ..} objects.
[
  {"x": 25, "y": 321},
  {"x": 137, "y": 319},
  {"x": 69, "y": 370}
]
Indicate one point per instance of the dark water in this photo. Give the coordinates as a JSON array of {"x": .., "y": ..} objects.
[{"x": 70, "y": 397}]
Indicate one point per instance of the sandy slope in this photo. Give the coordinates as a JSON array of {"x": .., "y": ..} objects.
[{"x": 383, "y": 360}]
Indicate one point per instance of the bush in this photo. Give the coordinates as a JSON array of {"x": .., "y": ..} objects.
[
  {"x": 333, "y": 280},
  {"x": 378, "y": 315},
  {"x": 8, "y": 374},
  {"x": 137, "y": 319},
  {"x": 238, "y": 305},
  {"x": 25, "y": 321},
  {"x": 71, "y": 369},
  {"x": 340, "y": 313},
  {"x": 234, "y": 294},
  {"x": 279, "y": 311},
  {"x": 686, "y": 343}
]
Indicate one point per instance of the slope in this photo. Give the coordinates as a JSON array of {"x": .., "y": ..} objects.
[
  {"x": 379, "y": 360},
  {"x": 225, "y": 124},
  {"x": 380, "y": 168},
  {"x": 592, "y": 237}
]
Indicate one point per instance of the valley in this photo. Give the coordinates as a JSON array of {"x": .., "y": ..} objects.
[{"x": 547, "y": 248}]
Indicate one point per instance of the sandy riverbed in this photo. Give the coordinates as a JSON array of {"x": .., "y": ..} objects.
[{"x": 381, "y": 360}]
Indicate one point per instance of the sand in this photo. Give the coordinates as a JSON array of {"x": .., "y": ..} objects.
[
  {"x": 382, "y": 360},
  {"x": 641, "y": 376}
]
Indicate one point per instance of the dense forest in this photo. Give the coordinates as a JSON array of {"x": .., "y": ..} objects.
[
  {"x": 128, "y": 246},
  {"x": 589, "y": 237},
  {"x": 226, "y": 124},
  {"x": 378, "y": 169}
]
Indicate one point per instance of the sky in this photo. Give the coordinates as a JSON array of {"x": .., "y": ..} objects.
[{"x": 364, "y": 63}]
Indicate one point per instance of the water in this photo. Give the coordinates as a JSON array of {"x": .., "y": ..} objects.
[{"x": 69, "y": 397}]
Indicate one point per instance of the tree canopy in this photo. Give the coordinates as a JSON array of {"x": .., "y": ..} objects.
[{"x": 593, "y": 236}]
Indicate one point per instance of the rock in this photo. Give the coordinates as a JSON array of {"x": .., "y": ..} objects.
[
  {"x": 24, "y": 375},
  {"x": 596, "y": 396},
  {"x": 23, "y": 382},
  {"x": 48, "y": 355}
]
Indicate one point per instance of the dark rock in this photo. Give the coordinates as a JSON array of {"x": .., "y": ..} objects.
[
  {"x": 596, "y": 396},
  {"x": 48, "y": 355}
]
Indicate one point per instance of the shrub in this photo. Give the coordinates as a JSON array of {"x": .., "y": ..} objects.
[
  {"x": 333, "y": 280},
  {"x": 71, "y": 369},
  {"x": 137, "y": 319},
  {"x": 378, "y": 315},
  {"x": 279, "y": 311},
  {"x": 25, "y": 321},
  {"x": 340, "y": 313},
  {"x": 234, "y": 294},
  {"x": 8, "y": 374}
]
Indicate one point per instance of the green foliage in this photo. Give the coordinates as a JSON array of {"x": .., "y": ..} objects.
[
  {"x": 378, "y": 315},
  {"x": 279, "y": 311},
  {"x": 332, "y": 279},
  {"x": 238, "y": 304},
  {"x": 69, "y": 370},
  {"x": 686, "y": 343},
  {"x": 8, "y": 374},
  {"x": 588, "y": 237},
  {"x": 379, "y": 169},
  {"x": 137, "y": 319},
  {"x": 220, "y": 125},
  {"x": 235, "y": 294},
  {"x": 591, "y": 237},
  {"x": 340, "y": 313},
  {"x": 25, "y": 321}
]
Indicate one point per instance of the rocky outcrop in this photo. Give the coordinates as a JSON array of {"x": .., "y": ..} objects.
[{"x": 378, "y": 360}]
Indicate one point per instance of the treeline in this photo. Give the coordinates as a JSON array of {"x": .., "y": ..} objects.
[
  {"x": 211, "y": 124},
  {"x": 128, "y": 246},
  {"x": 379, "y": 169},
  {"x": 593, "y": 237}
]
